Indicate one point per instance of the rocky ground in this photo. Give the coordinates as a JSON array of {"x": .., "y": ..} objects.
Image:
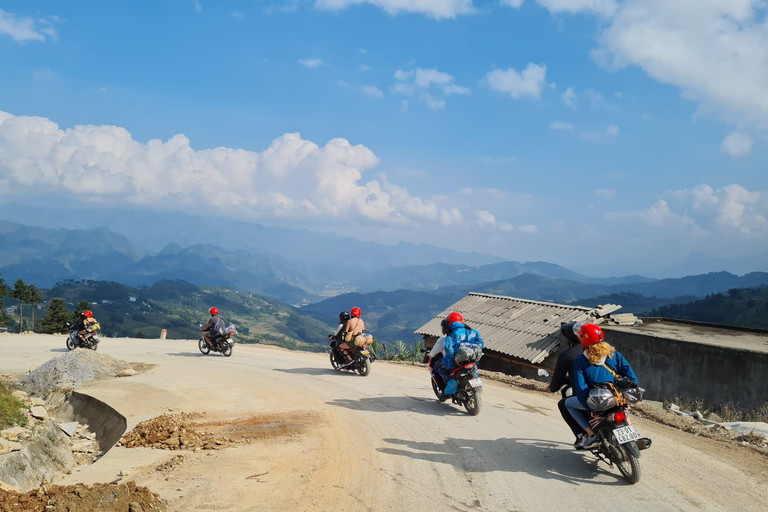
[{"x": 127, "y": 497}]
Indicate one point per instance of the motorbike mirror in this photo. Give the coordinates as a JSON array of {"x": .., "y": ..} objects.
[
  {"x": 423, "y": 351},
  {"x": 543, "y": 373}
]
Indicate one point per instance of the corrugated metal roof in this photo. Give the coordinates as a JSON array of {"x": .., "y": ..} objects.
[{"x": 520, "y": 328}]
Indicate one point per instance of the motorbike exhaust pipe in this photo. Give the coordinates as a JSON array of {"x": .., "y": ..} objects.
[{"x": 644, "y": 443}]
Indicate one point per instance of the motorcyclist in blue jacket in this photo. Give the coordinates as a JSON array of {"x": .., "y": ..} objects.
[{"x": 459, "y": 335}]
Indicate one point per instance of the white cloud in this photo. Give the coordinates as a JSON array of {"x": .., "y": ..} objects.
[
  {"x": 602, "y": 7},
  {"x": 512, "y": 3},
  {"x": 612, "y": 130},
  {"x": 22, "y": 28},
  {"x": 437, "y": 9},
  {"x": 559, "y": 125},
  {"x": 529, "y": 229},
  {"x": 606, "y": 193},
  {"x": 431, "y": 85},
  {"x": 293, "y": 178},
  {"x": 198, "y": 7},
  {"x": 451, "y": 216},
  {"x": 372, "y": 90},
  {"x": 311, "y": 63},
  {"x": 731, "y": 211},
  {"x": 528, "y": 83},
  {"x": 569, "y": 97},
  {"x": 364, "y": 67},
  {"x": 713, "y": 50},
  {"x": 485, "y": 219},
  {"x": 737, "y": 145}
]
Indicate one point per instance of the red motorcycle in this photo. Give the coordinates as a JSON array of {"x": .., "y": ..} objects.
[{"x": 469, "y": 393}]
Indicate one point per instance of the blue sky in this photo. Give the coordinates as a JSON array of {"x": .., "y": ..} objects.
[{"x": 510, "y": 128}]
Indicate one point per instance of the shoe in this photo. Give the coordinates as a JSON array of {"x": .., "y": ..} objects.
[
  {"x": 590, "y": 442},
  {"x": 579, "y": 441}
]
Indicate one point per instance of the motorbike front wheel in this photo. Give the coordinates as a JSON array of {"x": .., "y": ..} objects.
[
  {"x": 630, "y": 466},
  {"x": 439, "y": 394},
  {"x": 364, "y": 368},
  {"x": 203, "y": 346},
  {"x": 474, "y": 402},
  {"x": 70, "y": 343},
  {"x": 333, "y": 362}
]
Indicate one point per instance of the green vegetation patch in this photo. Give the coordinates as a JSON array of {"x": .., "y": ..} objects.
[{"x": 11, "y": 409}]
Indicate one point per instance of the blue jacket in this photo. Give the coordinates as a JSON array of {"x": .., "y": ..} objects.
[
  {"x": 459, "y": 335},
  {"x": 586, "y": 375}
]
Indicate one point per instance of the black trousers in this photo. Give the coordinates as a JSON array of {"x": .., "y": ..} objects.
[{"x": 575, "y": 427}]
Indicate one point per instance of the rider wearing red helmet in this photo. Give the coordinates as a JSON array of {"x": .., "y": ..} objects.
[
  {"x": 355, "y": 326},
  {"x": 600, "y": 363},
  {"x": 458, "y": 334},
  {"x": 84, "y": 321},
  {"x": 214, "y": 329}
]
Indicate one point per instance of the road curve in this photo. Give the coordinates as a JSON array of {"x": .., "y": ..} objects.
[{"x": 383, "y": 442}]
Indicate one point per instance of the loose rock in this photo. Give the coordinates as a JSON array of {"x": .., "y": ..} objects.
[
  {"x": 128, "y": 372},
  {"x": 38, "y": 411},
  {"x": 69, "y": 428}
]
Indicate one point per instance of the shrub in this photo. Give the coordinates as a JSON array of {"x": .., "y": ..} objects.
[{"x": 11, "y": 409}]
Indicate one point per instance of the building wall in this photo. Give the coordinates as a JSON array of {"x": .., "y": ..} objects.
[
  {"x": 497, "y": 362},
  {"x": 667, "y": 368}
]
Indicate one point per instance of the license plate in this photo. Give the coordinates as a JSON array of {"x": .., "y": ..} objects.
[
  {"x": 365, "y": 352},
  {"x": 626, "y": 434},
  {"x": 475, "y": 383}
]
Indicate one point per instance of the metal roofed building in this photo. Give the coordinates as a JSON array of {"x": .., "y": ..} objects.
[{"x": 520, "y": 335}]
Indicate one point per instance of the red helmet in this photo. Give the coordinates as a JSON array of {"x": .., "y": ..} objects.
[
  {"x": 356, "y": 312},
  {"x": 454, "y": 317},
  {"x": 87, "y": 314},
  {"x": 589, "y": 334},
  {"x": 214, "y": 311}
]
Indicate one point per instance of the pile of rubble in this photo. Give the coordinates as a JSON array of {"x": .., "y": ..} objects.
[
  {"x": 126, "y": 497},
  {"x": 172, "y": 432},
  {"x": 73, "y": 368}
]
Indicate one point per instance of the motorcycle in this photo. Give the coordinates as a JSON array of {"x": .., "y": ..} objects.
[
  {"x": 469, "y": 393},
  {"x": 620, "y": 442},
  {"x": 362, "y": 357},
  {"x": 90, "y": 338},
  {"x": 223, "y": 344}
]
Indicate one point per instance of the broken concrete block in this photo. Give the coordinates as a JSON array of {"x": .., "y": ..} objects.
[
  {"x": 69, "y": 428},
  {"x": 82, "y": 447},
  {"x": 128, "y": 372},
  {"x": 20, "y": 395},
  {"x": 38, "y": 411},
  {"x": 714, "y": 417},
  {"x": 673, "y": 407}
]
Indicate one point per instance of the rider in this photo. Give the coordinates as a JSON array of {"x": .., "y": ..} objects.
[
  {"x": 562, "y": 378},
  {"x": 598, "y": 364},
  {"x": 355, "y": 326},
  {"x": 460, "y": 334},
  {"x": 215, "y": 329},
  {"x": 437, "y": 352},
  {"x": 337, "y": 338},
  {"x": 84, "y": 321}
]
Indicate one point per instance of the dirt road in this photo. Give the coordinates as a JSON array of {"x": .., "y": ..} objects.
[{"x": 382, "y": 442}]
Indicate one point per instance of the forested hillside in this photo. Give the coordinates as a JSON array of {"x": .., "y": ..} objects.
[{"x": 747, "y": 307}]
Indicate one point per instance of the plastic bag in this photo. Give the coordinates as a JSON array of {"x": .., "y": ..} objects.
[{"x": 601, "y": 399}]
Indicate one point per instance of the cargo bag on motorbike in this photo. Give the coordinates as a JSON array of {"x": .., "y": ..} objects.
[
  {"x": 363, "y": 340},
  {"x": 607, "y": 395},
  {"x": 468, "y": 353}
]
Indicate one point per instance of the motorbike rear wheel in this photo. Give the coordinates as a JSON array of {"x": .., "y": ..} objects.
[
  {"x": 475, "y": 401},
  {"x": 364, "y": 368},
  {"x": 630, "y": 466},
  {"x": 226, "y": 348},
  {"x": 203, "y": 346}
]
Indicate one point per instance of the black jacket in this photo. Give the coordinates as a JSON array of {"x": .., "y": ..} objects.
[{"x": 564, "y": 367}]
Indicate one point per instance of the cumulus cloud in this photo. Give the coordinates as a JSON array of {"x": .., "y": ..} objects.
[
  {"x": 559, "y": 125},
  {"x": 431, "y": 86},
  {"x": 372, "y": 90},
  {"x": 737, "y": 145},
  {"x": 22, "y": 28},
  {"x": 487, "y": 220},
  {"x": 601, "y": 7},
  {"x": 713, "y": 50},
  {"x": 293, "y": 178},
  {"x": 529, "y": 229},
  {"x": 612, "y": 130},
  {"x": 437, "y": 9},
  {"x": 527, "y": 83},
  {"x": 311, "y": 63},
  {"x": 513, "y": 3},
  {"x": 731, "y": 210}
]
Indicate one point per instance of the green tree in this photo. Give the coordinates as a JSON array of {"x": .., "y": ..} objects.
[
  {"x": 20, "y": 292},
  {"x": 56, "y": 318},
  {"x": 140, "y": 334},
  {"x": 83, "y": 305},
  {"x": 35, "y": 297},
  {"x": 3, "y": 293}
]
